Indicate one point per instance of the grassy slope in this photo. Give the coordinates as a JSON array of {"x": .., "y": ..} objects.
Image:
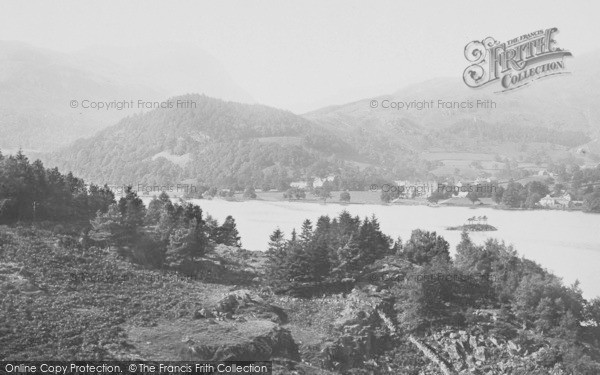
[{"x": 77, "y": 303}]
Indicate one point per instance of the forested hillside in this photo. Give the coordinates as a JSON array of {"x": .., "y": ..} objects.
[{"x": 216, "y": 142}]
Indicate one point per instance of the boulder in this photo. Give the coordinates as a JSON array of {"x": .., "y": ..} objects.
[
  {"x": 245, "y": 302},
  {"x": 360, "y": 327}
]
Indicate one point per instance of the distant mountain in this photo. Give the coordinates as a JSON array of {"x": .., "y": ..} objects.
[
  {"x": 232, "y": 144},
  {"x": 216, "y": 142},
  {"x": 565, "y": 102},
  {"x": 560, "y": 110},
  {"x": 36, "y": 88},
  {"x": 174, "y": 69}
]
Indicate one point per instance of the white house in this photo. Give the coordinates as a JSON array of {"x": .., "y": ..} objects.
[
  {"x": 299, "y": 184},
  {"x": 318, "y": 182},
  {"x": 556, "y": 202}
]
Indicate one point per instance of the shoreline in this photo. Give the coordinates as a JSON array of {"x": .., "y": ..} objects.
[{"x": 407, "y": 202}]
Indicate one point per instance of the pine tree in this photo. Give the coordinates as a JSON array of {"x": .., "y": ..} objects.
[
  {"x": 181, "y": 245},
  {"x": 228, "y": 233},
  {"x": 426, "y": 300},
  {"x": 466, "y": 253},
  {"x": 109, "y": 227},
  {"x": 153, "y": 212},
  {"x": 423, "y": 247},
  {"x": 306, "y": 232},
  {"x": 166, "y": 223},
  {"x": 133, "y": 211},
  {"x": 346, "y": 226},
  {"x": 99, "y": 199},
  {"x": 276, "y": 259},
  {"x": 299, "y": 268},
  {"x": 373, "y": 243},
  {"x": 212, "y": 228},
  {"x": 183, "y": 232},
  {"x": 349, "y": 258}
]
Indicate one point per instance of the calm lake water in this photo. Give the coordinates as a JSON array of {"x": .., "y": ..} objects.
[{"x": 566, "y": 243}]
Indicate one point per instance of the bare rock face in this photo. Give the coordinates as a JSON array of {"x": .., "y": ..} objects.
[
  {"x": 479, "y": 350},
  {"x": 359, "y": 330}
]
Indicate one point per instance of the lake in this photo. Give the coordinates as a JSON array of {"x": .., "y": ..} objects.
[{"x": 566, "y": 243}]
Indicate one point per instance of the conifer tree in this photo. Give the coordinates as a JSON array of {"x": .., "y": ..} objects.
[
  {"x": 423, "y": 247},
  {"x": 228, "y": 233},
  {"x": 212, "y": 228},
  {"x": 155, "y": 207},
  {"x": 276, "y": 258},
  {"x": 293, "y": 238},
  {"x": 186, "y": 243},
  {"x": 349, "y": 258},
  {"x": 306, "y": 232},
  {"x": 133, "y": 211},
  {"x": 109, "y": 227}
]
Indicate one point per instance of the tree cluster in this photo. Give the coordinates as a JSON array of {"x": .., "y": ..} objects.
[
  {"x": 516, "y": 195},
  {"x": 330, "y": 256},
  {"x": 165, "y": 234},
  {"x": 31, "y": 192}
]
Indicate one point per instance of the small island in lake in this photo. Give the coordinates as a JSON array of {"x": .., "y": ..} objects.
[{"x": 475, "y": 224}]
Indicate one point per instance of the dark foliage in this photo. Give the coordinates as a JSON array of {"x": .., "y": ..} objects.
[{"x": 30, "y": 192}]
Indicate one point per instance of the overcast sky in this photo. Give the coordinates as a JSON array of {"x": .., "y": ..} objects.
[{"x": 302, "y": 54}]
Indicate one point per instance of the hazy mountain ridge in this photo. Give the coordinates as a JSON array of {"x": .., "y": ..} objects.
[
  {"x": 557, "y": 97},
  {"x": 228, "y": 143},
  {"x": 172, "y": 68},
  {"x": 567, "y": 103},
  {"x": 37, "y": 86}
]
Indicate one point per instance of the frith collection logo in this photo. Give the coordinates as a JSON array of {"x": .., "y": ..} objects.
[{"x": 515, "y": 63}]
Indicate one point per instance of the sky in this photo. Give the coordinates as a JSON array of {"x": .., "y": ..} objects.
[{"x": 300, "y": 55}]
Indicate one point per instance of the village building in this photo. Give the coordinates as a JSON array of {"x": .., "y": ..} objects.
[
  {"x": 562, "y": 202},
  {"x": 299, "y": 184},
  {"x": 319, "y": 182}
]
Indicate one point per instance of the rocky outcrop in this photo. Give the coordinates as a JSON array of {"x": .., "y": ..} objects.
[
  {"x": 433, "y": 356},
  {"x": 275, "y": 343},
  {"x": 237, "y": 326},
  {"x": 244, "y": 303},
  {"x": 211, "y": 339},
  {"x": 363, "y": 330},
  {"x": 478, "y": 350}
]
